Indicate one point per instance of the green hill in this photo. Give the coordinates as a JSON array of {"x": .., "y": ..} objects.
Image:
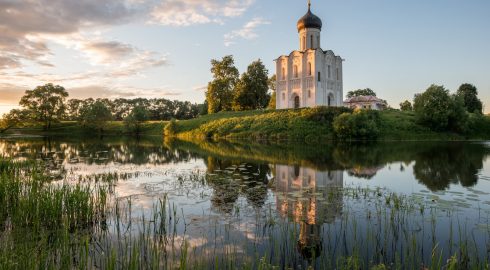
[{"x": 309, "y": 125}]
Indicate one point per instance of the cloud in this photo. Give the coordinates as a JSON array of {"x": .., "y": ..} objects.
[
  {"x": 201, "y": 88},
  {"x": 107, "y": 51},
  {"x": 21, "y": 23},
  {"x": 189, "y": 12},
  {"x": 248, "y": 31}
]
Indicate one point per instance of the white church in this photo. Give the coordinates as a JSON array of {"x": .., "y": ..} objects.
[{"x": 310, "y": 76}]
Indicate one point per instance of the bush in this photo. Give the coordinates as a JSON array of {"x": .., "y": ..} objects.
[{"x": 359, "y": 125}]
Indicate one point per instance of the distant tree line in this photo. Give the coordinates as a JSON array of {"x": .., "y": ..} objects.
[
  {"x": 48, "y": 104},
  {"x": 230, "y": 91},
  {"x": 157, "y": 108}
]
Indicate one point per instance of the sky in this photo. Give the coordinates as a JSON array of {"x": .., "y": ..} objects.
[{"x": 163, "y": 48}]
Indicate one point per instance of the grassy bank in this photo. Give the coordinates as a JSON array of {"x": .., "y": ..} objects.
[
  {"x": 310, "y": 125},
  {"x": 73, "y": 128}
]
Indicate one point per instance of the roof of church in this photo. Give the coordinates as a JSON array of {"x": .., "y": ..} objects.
[
  {"x": 309, "y": 20},
  {"x": 363, "y": 99}
]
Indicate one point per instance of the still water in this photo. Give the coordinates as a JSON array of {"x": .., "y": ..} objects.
[{"x": 293, "y": 205}]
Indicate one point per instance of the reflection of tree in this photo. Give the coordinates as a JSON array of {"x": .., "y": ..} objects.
[
  {"x": 442, "y": 164},
  {"x": 93, "y": 150},
  {"x": 463, "y": 160}
]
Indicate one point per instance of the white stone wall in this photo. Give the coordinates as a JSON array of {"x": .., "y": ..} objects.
[{"x": 313, "y": 89}]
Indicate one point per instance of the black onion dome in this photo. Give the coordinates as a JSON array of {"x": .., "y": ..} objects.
[{"x": 310, "y": 20}]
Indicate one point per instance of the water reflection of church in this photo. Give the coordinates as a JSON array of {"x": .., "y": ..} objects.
[{"x": 311, "y": 198}]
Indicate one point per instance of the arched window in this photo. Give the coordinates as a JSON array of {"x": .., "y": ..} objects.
[
  {"x": 309, "y": 68},
  {"x": 295, "y": 71},
  {"x": 338, "y": 74},
  {"x": 283, "y": 73},
  {"x": 283, "y": 96},
  {"x": 309, "y": 93},
  {"x": 296, "y": 102},
  {"x": 311, "y": 41},
  {"x": 304, "y": 43},
  {"x": 329, "y": 72},
  {"x": 319, "y": 77},
  {"x": 318, "y": 41}
]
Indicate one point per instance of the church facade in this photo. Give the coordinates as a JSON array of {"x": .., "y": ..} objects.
[{"x": 310, "y": 76}]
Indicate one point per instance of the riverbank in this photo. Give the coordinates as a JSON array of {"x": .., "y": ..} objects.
[
  {"x": 73, "y": 128},
  {"x": 308, "y": 125}
]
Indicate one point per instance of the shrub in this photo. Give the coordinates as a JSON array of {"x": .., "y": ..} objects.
[{"x": 359, "y": 125}]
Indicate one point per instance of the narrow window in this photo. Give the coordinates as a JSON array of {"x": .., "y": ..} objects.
[
  {"x": 311, "y": 41},
  {"x": 318, "y": 41},
  {"x": 319, "y": 77},
  {"x": 283, "y": 96},
  {"x": 295, "y": 71},
  {"x": 309, "y": 68},
  {"x": 304, "y": 43},
  {"x": 309, "y": 93},
  {"x": 338, "y": 75},
  {"x": 329, "y": 72},
  {"x": 283, "y": 73}
]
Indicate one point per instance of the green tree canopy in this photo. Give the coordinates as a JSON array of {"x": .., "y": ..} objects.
[
  {"x": 432, "y": 108},
  {"x": 406, "y": 106},
  {"x": 469, "y": 93},
  {"x": 220, "y": 90},
  {"x": 95, "y": 115},
  {"x": 361, "y": 92},
  {"x": 272, "y": 87},
  {"x": 438, "y": 110},
  {"x": 46, "y": 103},
  {"x": 12, "y": 119},
  {"x": 134, "y": 121},
  {"x": 251, "y": 92}
]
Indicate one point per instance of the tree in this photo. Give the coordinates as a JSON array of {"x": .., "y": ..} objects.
[
  {"x": 12, "y": 119},
  {"x": 469, "y": 93},
  {"x": 251, "y": 91},
  {"x": 361, "y": 92},
  {"x": 135, "y": 119},
  {"x": 406, "y": 106},
  {"x": 433, "y": 107},
  {"x": 220, "y": 90},
  {"x": 458, "y": 117},
  {"x": 95, "y": 115},
  {"x": 272, "y": 87},
  {"x": 46, "y": 103}
]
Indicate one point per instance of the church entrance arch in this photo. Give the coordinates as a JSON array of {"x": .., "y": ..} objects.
[
  {"x": 330, "y": 100},
  {"x": 296, "y": 102}
]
